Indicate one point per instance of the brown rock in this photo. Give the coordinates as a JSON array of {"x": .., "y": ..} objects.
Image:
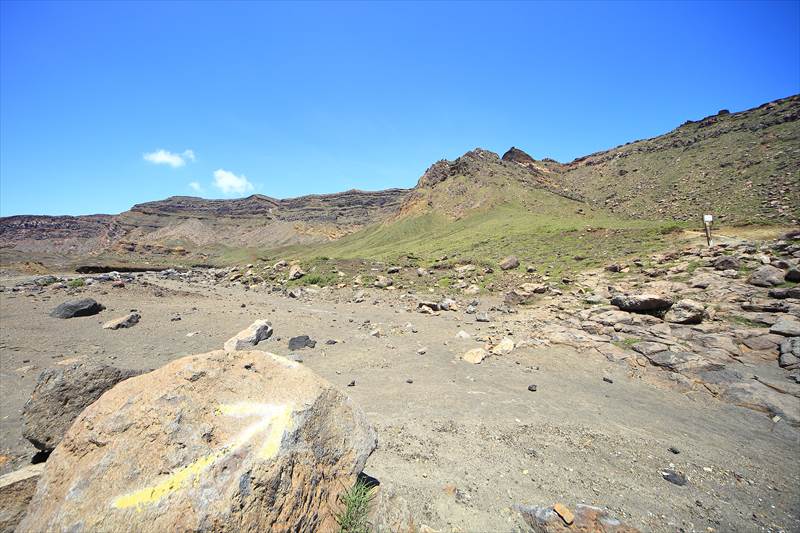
[
  {"x": 509, "y": 262},
  {"x": 565, "y": 514},
  {"x": 223, "y": 441}
]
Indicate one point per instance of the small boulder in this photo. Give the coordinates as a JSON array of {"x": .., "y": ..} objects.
[
  {"x": 642, "y": 303},
  {"x": 300, "y": 342},
  {"x": 503, "y": 347},
  {"x": 685, "y": 312},
  {"x": 59, "y": 396},
  {"x": 75, "y": 308},
  {"x": 475, "y": 356},
  {"x": 509, "y": 262},
  {"x": 255, "y": 442},
  {"x": 127, "y": 321},
  {"x": 383, "y": 282},
  {"x": 793, "y": 274},
  {"x": 296, "y": 272},
  {"x": 726, "y": 262},
  {"x": 246, "y": 339},
  {"x": 766, "y": 276},
  {"x": 524, "y": 293},
  {"x": 785, "y": 292}
]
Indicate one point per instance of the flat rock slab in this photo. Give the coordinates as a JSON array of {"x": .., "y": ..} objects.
[
  {"x": 642, "y": 303},
  {"x": 223, "y": 441},
  {"x": 59, "y": 397},
  {"x": 76, "y": 308},
  {"x": 788, "y": 327}
]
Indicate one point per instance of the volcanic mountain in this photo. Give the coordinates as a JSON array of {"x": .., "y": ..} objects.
[{"x": 742, "y": 167}]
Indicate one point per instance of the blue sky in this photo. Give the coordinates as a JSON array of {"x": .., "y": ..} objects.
[{"x": 104, "y": 105}]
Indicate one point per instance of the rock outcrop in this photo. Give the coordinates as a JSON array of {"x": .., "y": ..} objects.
[{"x": 239, "y": 441}]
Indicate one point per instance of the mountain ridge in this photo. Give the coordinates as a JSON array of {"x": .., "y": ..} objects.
[{"x": 744, "y": 167}]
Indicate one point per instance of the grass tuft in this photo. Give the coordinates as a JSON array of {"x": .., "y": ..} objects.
[
  {"x": 77, "y": 282},
  {"x": 354, "y": 517}
]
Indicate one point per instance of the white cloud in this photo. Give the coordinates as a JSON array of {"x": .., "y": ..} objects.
[
  {"x": 196, "y": 187},
  {"x": 165, "y": 157},
  {"x": 228, "y": 182}
]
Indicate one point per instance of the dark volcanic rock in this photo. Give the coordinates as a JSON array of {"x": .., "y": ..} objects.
[
  {"x": 300, "y": 342},
  {"x": 59, "y": 397},
  {"x": 80, "y": 307}
]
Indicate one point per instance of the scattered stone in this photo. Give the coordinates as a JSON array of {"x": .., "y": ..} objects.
[
  {"x": 383, "y": 282},
  {"x": 674, "y": 450},
  {"x": 393, "y": 270},
  {"x": 463, "y": 335},
  {"x": 59, "y": 396},
  {"x": 524, "y": 293},
  {"x": 509, "y": 262},
  {"x": 240, "y": 450},
  {"x": 483, "y": 317},
  {"x": 409, "y": 381},
  {"x": 300, "y": 342},
  {"x": 642, "y": 303},
  {"x": 76, "y": 308},
  {"x": 422, "y": 351},
  {"x": 766, "y": 276},
  {"x": 504, "y": 347},
  {"x": 793, "y": 274},
  {"x": 532, "y": 388},
  {"x": 16, "y": 491},
  {"x": 249, "y": 337},
  {"x": 685, "y": 312},
  {"x": 608, "y": 380},
  {"x": 614, "y": 267},
  {"x": 674, "y": 477},
  {"x": 127, "y": 321},
  {"x": 475, "y": 356},
  {"x": 331, "y": 342},
  {"x": 352, "y": 383}
]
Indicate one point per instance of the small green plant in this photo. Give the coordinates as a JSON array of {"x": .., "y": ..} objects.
[
  {"x": 626, "y": 344},
  {"x": 77, "y": 282},
  {"x": 354, "y": 517}
]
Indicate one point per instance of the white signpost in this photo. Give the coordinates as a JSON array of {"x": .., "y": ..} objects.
[{"x": 707, "y": 220}]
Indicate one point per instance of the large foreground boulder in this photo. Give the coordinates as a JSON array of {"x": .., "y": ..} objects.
[
  {"x": 223, "y": 441},
  {"x": 79, "y": 307},
  {"x": 59, "y": 397},
  {"x": 642, "y": 303}
]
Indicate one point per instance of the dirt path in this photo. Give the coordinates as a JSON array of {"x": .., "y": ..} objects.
[{"x": 461, "y": 443}]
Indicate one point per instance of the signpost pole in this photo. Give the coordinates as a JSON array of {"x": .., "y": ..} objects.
[{"x": 707, "y": 220}]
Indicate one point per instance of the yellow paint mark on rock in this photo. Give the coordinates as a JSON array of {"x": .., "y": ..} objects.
[{"x": 275, "y": 419}]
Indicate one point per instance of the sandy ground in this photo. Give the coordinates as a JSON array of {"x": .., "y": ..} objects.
[{"x": 462, "y": 443}]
